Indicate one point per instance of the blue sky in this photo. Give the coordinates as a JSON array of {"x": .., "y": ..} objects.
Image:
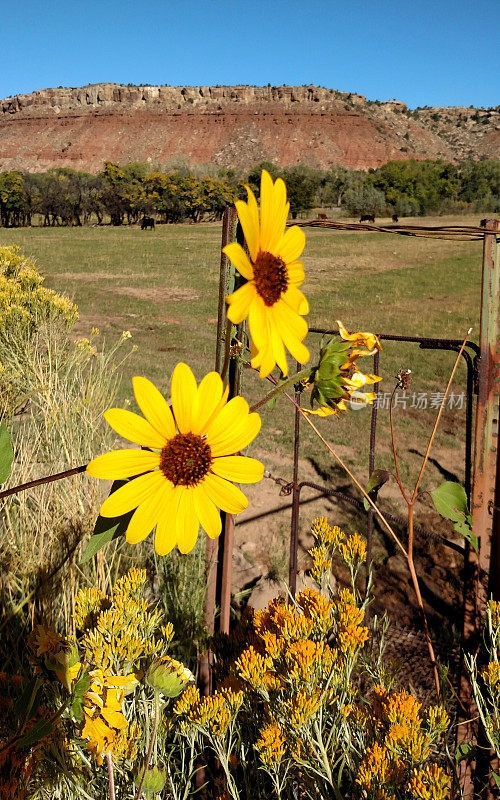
[{"x": 424, "y": 52}]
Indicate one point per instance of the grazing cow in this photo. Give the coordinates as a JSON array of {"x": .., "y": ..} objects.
[
  {"x": 322, "y": 216},
  {"x": 367, "y": 218},
  {"x": 147, "y": 222},
  {"x": 395, "y": 218}
]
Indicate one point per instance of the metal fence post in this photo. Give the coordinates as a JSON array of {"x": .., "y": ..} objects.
[
  {"x": 205, "y": 669},
  {"x": 482, "y": 569}
]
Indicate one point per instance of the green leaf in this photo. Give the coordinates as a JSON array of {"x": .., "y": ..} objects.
[
  {"x": 450, "y": 501},
  {"x": 6, "y": 453},
  {"x": 449, "y": 498},
  {"x": 106, "y": 529},
  {"x": 40, "y": 730},
  {"x": 464, "y": 750},
  {"x": 496, "y": 778},
  {"x": 29, "y": 699},
  {"x": 81, "y": 686},
  {"x": 377, "y": 479}
]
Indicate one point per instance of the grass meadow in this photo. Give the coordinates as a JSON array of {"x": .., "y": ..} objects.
[{"x": 162, "y": 286}]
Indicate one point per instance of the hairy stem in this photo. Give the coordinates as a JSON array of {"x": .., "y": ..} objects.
[
  {"x": 111, "y": 776},
  {"x": 303, "y": 373},
  {"x": 438, "y": 417},
  {"x": 151, "y": 744}
]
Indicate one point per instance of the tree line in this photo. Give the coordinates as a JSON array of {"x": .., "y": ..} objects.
[{"x": 124, "y": 194}]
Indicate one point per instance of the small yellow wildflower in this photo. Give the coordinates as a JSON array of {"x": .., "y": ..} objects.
[
  {"x": 494, "y": 609},
  {"x": 271, "y": 745},
  {"x": 301, "y": 707},
  {"x": 321, "y": 563},
  {"x": 430, "y": 783},
  {"x": 325, "y": 533},
  {"x": 317, "y": 608},
  {"x": 491, "y": 673},
  {"x": 374, "y": 767},
  {"x": 252, "y": 667},
  {"x": 353, "y": 551},
  {"x": 188, "y": 699},
  {"x": 438, "y": 719}
]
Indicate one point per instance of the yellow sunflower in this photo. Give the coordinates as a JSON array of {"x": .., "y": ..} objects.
[
  {"x": 186, "y": 471},
  {"x": 271, "y": 298}
]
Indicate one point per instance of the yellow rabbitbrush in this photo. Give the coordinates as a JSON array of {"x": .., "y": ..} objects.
[
  {"x": 186, "y": 470},
  {"x": 271, "y": 298}
]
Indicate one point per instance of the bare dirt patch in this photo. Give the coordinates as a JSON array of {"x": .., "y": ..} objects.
[{"x": 164, "y": 294}]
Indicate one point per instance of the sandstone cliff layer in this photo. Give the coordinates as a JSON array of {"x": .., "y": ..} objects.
[{"x": 232, "y": 126}]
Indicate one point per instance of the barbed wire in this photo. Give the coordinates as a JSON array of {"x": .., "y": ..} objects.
[{"x": 450, "y": 232}]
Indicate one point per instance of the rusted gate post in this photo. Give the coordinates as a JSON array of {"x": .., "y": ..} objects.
[{"x": 482, "y": 569}]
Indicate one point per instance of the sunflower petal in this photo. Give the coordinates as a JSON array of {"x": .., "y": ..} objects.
[
  {"x": 207, "y": 512},
  {"x": 133, "y": 427},
  {"x": 239, "y": 469},
  {"x": 239, "y": 258},
  {"x": 154, "y": 406},
  {"x": 165, "y": 536},
  {"x": 292, "y": 244},
  {"x": 184, "y": 388},
  {"x": 267, "y": 209},
  {"x": 114, "y": 718},
  {"x": 281, "y": 209},
  {"x": 122, "y": 464},
  {"x": 295, "y": 273},
  {"x": 225, "y": 495},
  {"x": 296, "y": 300},
  {"x": 132, "y": 494},
  {"x": 277, "y": 346},
  {"x": 206, "y": 401},
  {"x": 239, "y": 302},
  {"x": 186, "y": 522},
  {"x": 249, "y": 224},
  {"x": 290, "y": 324},
  {"x": 233, "y": 429},
  {"x": 258, "y": 323},
  {"x": 147, "y": 514}
]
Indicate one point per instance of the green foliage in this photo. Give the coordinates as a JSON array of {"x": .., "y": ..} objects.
[
  {"x": 450, "y": 501},
  {"x": 363, "y": 199},
  {"x": 6, "y": 453},
  {"x": 177, "y": 191},
  {"x": 302, "y": 184}
]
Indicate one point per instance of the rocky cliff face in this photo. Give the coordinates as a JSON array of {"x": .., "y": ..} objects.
[{"x": 232, "y": 126}]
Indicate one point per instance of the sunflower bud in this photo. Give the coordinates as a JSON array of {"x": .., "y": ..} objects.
[
  {"x": 328, "y": 379},
  {"x": 154, "y": 780},
  {"x": 168, "y": 676}
]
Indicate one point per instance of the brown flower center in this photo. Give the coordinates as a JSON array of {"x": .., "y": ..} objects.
[
  {"x": 270, "y": 276},
  {"x": 185, "y": 459}
]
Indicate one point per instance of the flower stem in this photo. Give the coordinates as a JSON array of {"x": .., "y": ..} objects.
[
  {"x": 227, "y": 350},
  {"x": 438, "y": 417},
  {"x": 39, "y": 481},
  {"x": 346, "y": 468},
  {"x": 303, "y": 373},
  {"x": 111, "y": 777},
  {"x": 151, "y": 744}
]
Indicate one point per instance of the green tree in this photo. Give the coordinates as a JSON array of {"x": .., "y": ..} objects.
[
  {"x": 363, "y": 199},
  {"x": 12, "y": 199},
  {"x": 301, "y": 185}
]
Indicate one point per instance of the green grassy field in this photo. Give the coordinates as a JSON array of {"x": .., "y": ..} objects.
[{"x": 162, "y": 286}]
